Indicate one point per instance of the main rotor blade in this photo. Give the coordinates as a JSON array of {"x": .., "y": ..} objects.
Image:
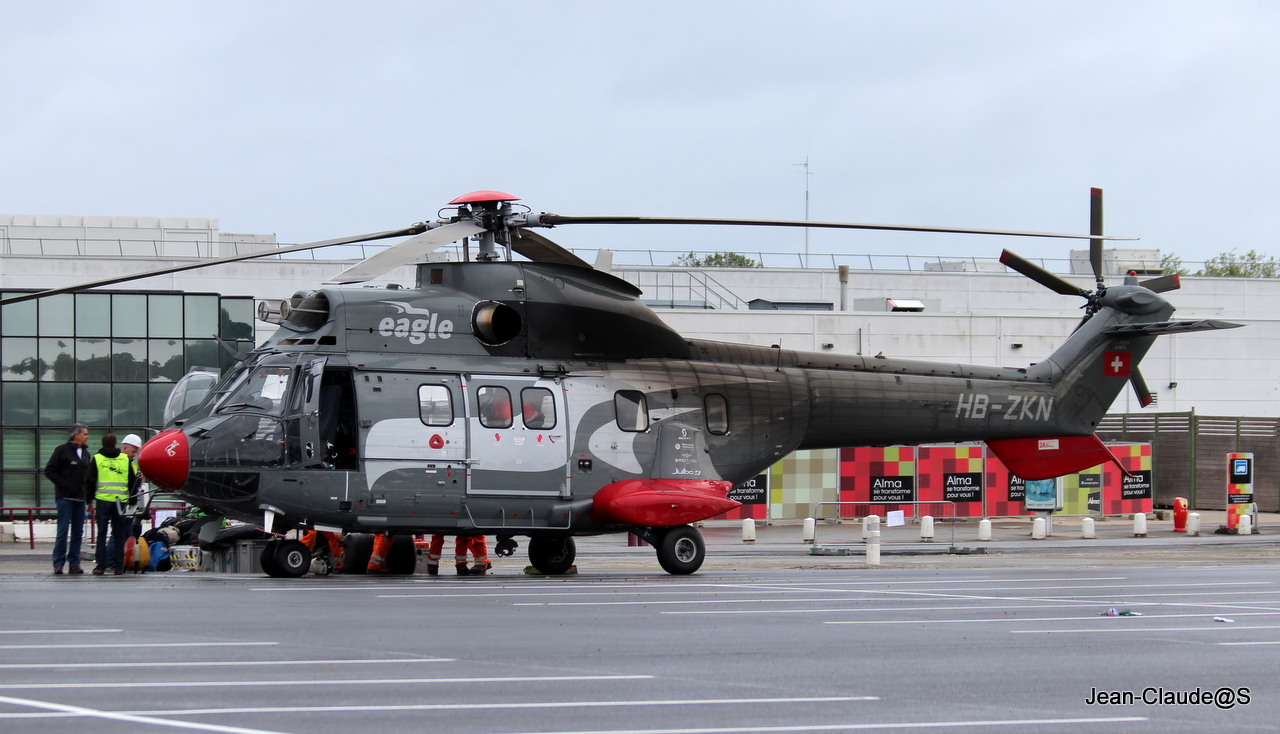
[
  {"x": 540, "y": 249},
  {"x": 415, "y": 229},
  {"x": 1171, "y": 282},
  {"x": 407, "y": 251},
  {"x": 551, "y": 220},
  {"x": 1041, "y": 276},
  {"x": 1095, "y": 228}
]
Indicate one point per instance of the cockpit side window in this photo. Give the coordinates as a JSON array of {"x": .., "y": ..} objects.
[
  {"x": 631, "y": 411},
  {"x": 264, "y": 389},
  {"x": 435, "y": 405}
]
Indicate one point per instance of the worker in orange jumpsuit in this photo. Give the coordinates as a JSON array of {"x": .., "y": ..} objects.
[
  {"x": 334, "y": 540},
  {"x": 462, "y": 544},
  {"x": 378, "y": 558}
]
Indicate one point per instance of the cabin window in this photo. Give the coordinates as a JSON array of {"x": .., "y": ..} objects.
[
  {"x": 632, "y": 413},
  {"x": 495, "y": 407},
  {"x": 539, "y": 408},
  {"x": 435, "y": 405},
  {"x": 717, "y": 409}
]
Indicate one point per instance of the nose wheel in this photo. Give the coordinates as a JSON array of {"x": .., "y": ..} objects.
[
  {"x": 680, "y": 549},
  {"x": 285, "y": 559}
]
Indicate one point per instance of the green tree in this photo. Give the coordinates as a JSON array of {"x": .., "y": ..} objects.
[
  {"x": 1171, "y": 264},
  {"x": 717, "y": 260},
  {"x": 1249, "y": 265},
  {"x": 1229, "y": 264}
]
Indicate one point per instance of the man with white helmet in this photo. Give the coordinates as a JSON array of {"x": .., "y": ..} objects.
[{"x": 130, "y": 447}]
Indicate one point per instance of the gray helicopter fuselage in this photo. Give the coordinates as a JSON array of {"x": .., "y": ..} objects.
[{"x": 368, "y": 409}]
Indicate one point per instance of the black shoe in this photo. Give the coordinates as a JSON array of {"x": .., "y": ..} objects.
[
  {"x": 98, "y": 571},
  {"x": 462, "y": 569},
  {"x": 118, "y": 571},
  {"x": 57, "y": 570},
  {"x": 75, "y": 571}
]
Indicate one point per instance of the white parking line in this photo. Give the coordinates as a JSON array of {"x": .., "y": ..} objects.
[
  {"x": 1036, "y": 619},
  {"x": 860, "y": 727},
  {"x": 489, "y": 706},
  {"x": 315, "y": 682},
  {"x": 112, "y": 716},
  {"x": 194, "y": 664},
  {"x": 60, "y": 632},
  {"x": 99, "y": 645},
  {"x": 1093, "y": 630},
  {"x": 887, "y": 609}
]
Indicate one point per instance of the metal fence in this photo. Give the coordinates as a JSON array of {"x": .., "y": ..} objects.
[
  {"x": 949, "y": 517},
  {"x": 1189, "y": 454}
]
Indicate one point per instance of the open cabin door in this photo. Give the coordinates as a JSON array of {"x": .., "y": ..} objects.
[{"x": 518, "y": 437}]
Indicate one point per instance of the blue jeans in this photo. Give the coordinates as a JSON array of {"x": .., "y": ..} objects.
[
  {"x": 66, "y": 547},
  {"x": 110, "y": 550}
]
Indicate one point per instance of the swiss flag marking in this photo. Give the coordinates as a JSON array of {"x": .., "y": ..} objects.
[{"x": 1115, "y": 364}]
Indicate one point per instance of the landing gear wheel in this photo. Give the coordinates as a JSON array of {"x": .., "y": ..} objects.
[
  {"x": 402, "y": 559},
  {"x": 552, "y": 555},
  {"x": 267, "y": 559},
  {"x": 681, "y": 550},
  {"x": 357, "y": 547},
  {"x": 292, "y": 559}
]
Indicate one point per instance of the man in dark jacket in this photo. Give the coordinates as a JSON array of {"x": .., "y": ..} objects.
[
  {"x": 113, "y": 482},
  {"x": 66, "y": 469}
]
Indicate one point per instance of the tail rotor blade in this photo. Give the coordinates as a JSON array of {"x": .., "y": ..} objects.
[
  {"x": 1041, "y": 276},
  {"x": 1140, "y": 387},
  {"x": 1095, "y": 228}
]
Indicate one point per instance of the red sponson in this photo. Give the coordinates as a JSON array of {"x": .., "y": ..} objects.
[{"x": 661, "y": 502}]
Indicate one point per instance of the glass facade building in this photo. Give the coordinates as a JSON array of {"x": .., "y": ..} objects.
[{"x": 105, "y": 359}]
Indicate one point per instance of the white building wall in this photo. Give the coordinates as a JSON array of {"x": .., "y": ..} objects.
[{"x": 975, "y": 317}]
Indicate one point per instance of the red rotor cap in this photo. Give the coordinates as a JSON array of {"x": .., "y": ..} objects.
[
  {"x": 166, "y": 460},
  {"x": 484, "y": 195}
]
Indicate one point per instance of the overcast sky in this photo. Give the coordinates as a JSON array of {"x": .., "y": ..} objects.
[{"x": 314, "y": 120}]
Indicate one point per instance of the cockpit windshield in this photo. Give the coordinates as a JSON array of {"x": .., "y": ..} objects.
[{"x": 263, "y": 388}]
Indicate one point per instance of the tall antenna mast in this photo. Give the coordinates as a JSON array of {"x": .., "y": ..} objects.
[{"x": 807, "y": 174}]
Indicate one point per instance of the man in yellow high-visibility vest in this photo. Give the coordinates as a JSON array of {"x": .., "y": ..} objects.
[{"x": 111, "y": 479}]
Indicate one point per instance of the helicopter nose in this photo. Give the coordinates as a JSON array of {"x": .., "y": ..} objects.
[{"x": 165, "y": 460}]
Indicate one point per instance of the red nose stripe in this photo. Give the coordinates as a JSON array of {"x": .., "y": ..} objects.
[{"x": 165, "y": 460}]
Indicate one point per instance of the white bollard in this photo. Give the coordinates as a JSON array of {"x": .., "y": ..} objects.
[
  {"x": 1139, "y": 524},
  {"x": 984, "y": 529},
  {"x": 1086, "y": 528},
  {"x": 1245, "y": 527},
  {"x": 748, "y": 530},
  {"x": 1037, "y": 528},
  {"x": 869, "y": 523},
  {"x": 1193, "y": 525},
  {"x": 926, "y": 528},
  {"x": 807, "y": 534},
  {"x": 873, "y": 548}
]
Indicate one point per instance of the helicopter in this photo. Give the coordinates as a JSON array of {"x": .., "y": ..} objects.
[{"x": 540, "y": 398}]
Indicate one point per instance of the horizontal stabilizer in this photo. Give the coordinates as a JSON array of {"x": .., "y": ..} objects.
[
  {"x": 1171, "y": 327},
  {"x": 1045, "y": 458},
  {"x": 661, "y": 502}
]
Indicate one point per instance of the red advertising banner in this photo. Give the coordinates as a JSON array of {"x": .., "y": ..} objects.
[
  {"x": 951, "y": 473},
  {"x": 883, "y": 476}
]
